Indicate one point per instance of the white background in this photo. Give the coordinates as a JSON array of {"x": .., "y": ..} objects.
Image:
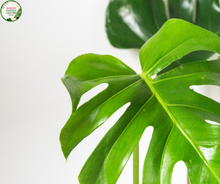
[{"x": 34, "y": 105}]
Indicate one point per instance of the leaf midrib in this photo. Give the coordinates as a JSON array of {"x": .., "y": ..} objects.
[{"x": 149, "y": 82}]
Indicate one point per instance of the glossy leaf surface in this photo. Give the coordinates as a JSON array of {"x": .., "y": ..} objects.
[
  {"x": 130, "y": 23},
  {"x": 186, "y": 124}
]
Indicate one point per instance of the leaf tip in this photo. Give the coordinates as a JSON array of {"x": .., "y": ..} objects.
[{"x": 64, "y": 149}]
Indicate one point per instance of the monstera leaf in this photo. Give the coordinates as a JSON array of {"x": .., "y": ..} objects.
[
  {"x": 130, "y": 23},
  {"x": 186, "y": 124}
]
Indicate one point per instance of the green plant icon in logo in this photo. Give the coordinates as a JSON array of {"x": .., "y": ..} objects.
[
  {"x": 11, "y": 11},
  {"x": 18, "y": 14}
]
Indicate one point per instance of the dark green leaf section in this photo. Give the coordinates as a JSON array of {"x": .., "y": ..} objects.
[
  {"x": 193, "y": 56},
  {"x": 143, "y": 18},
  {"x": 186, "y": 124},
  {"x": 114, "y": 26},
  {"x": 133, "y": 21},
  {"x": 129, "y": 23},
  {"x": 209, "y": 15},
  {"x": 182, "y": 9}
]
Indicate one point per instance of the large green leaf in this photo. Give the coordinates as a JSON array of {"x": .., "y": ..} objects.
[
  {"x": 186, "y": 124},
  {"x": 130, "y": 23}
]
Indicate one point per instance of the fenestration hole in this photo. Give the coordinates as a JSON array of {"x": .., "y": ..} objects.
[
  {"x": 179, "y": 175},
  {"x": 209, "y": 91},
  {"x": 91, "y": 93}
]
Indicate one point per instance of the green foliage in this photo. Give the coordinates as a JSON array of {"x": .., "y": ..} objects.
[
  {"x": 4, "y": 5},
  {"x": 186, "y": 124},
  {"x": 18, "y": 14},
  {"x": 9, "y": 20},
  {"x": 130, "y": 23}
]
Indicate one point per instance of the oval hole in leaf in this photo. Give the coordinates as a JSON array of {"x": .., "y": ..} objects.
[
  {"x": 209, "y": 91},
  {"x": 179, "y": 175},
  {"x": 117, "y": 114},
  {"x": 91, "y": 93},
  {"x": 97, "y": 135},
  {"x": 143, "y": 147},
  {"x": 154, "y": 76},
  {"x": 86, "y": 147},
  {"x": 212, "y": 122},
  {"x": 127, "y": 173}
]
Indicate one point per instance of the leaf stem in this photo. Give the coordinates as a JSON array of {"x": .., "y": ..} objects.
[
  {"x": 136, "y": 165},
  {"x": 188, "y": 182},
  {"x": 194, "y": 11},
  {"x": 167, "y": 11}
]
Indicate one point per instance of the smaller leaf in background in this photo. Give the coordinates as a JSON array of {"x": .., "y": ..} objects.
[
  {"x": 130, "y": 23},
  {"x": 183, "y": 9}
]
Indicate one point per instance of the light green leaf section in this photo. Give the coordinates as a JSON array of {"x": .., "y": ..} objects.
[
  {"x": 186, "y": 41},
  {"x": 186, "y": 124}
]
